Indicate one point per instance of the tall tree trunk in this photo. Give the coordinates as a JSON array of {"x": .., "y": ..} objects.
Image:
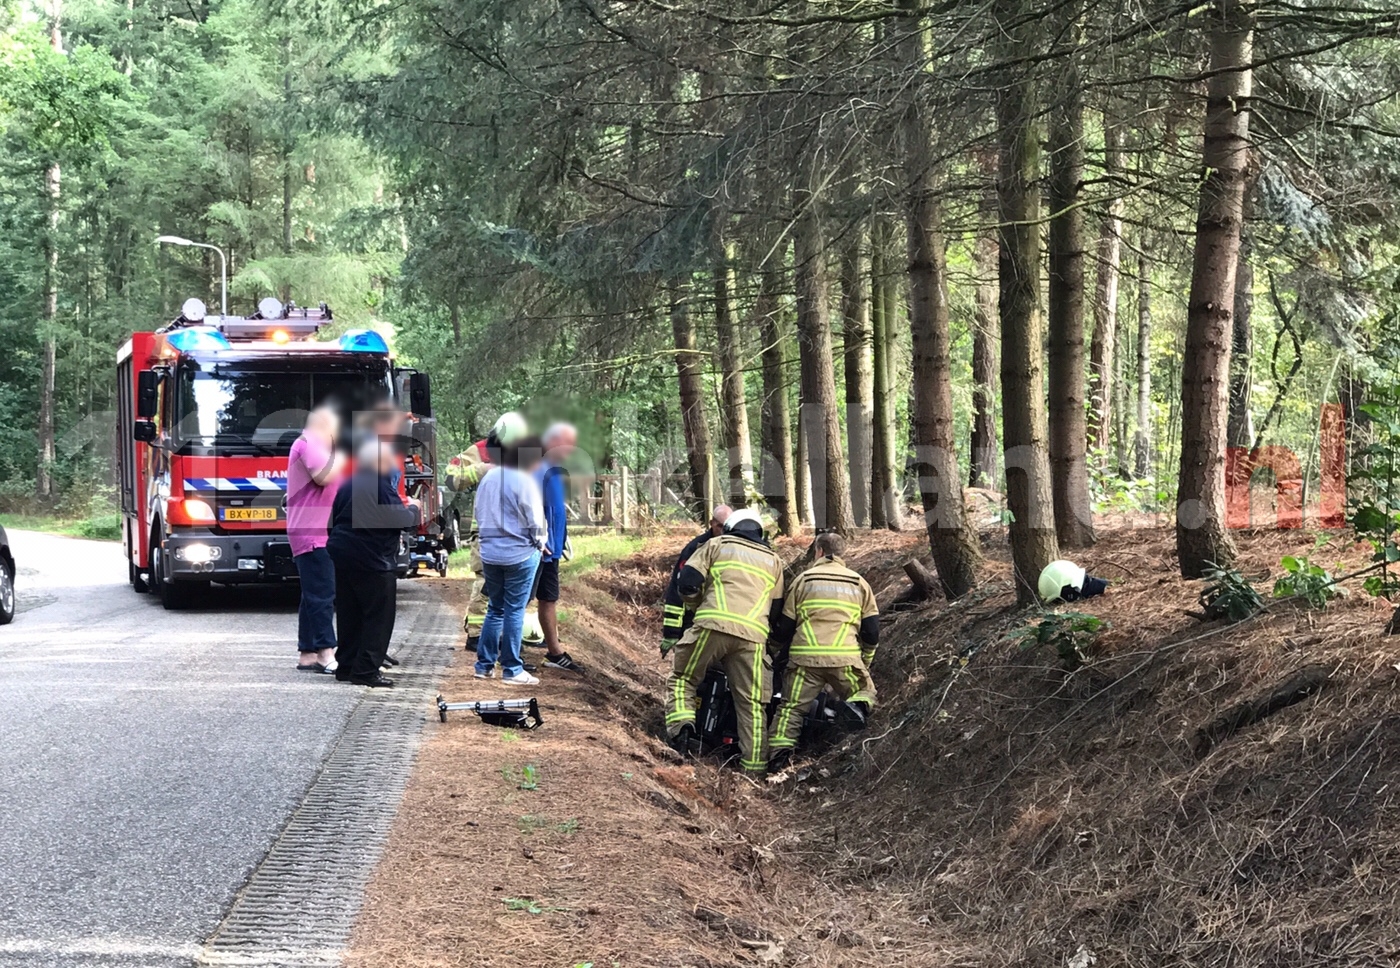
[
  {"x": 1105, "y": 336},
  {"x": 1239, "y": 430},
  {"x": 1142, "y": 442},
  {"x": 779, "y": 483},
  {"x": 1118, "y": 411},
  {"x": 53, "y": 180},
  {"x": 859, "y": 366},
  {"x": 1201, "y": 537},
  {"x": 819, "y": 423},
  {"x": 1069, "y": 469},
  {"x": 986, "y": 332},
  {"x": 886, "y": 510},
  {"x": 692, "y": 394},
  {"x": 735, "y": 415},
  {"x": 1028, "y": 492},
  {"x": 951, "y": 542}
]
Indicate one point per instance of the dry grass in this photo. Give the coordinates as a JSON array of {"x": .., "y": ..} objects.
[{"x": 999, "y": 812}]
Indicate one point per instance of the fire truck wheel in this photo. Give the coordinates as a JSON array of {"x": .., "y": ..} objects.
[
  {"x": 174, "y": 596},
  {"x": 134, "y": 575},
  {"x": 452, "y": 532}
]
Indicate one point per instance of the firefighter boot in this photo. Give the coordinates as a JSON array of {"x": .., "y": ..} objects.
[
  {"x": 780, "y": 760},
  {"x": 685, "y": 742},
  {"x": 854, "y": 714}
]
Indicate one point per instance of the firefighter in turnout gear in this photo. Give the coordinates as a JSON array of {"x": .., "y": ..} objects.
[
  {"x": 678, "y": 618},
  {"x": 736, "y": 581},
  {"x": 833, "y": 624}
]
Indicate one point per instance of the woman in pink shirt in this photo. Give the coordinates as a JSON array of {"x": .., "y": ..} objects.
[{"x": 313, "y": 471}]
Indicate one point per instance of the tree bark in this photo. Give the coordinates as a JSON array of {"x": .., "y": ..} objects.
[
  {"x": 735, "y": 415},
  {"x": 1201, "y": 536},
  {"x": 951, "y": 542},
  {"x": 886, "y": 510},
  {"x": 1105, "y": 336},
  {"x": 692, "y": 395},
  {"x": 1142, "y": 442},
  {"x": 1240, "y": 424},
  {"x": 779, "y": 484},
  {"x": 819, "y": 422},
  {"x": 859, "y": 366},
  {"x": 986, "y": 333},
  {"x": 1069, "y": 469},
  {"x": 53, "y": 181},
  {"x": 1028, "y": 492}
]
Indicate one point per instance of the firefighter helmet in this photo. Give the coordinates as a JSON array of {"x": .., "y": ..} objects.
[
  {"x": 1061, "y": 580},
  {"x": 510, "y": 428}
]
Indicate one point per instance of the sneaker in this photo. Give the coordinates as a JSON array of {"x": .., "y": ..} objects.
[
  {"x": 488, "y": 674},
  {"x": 562, "y": 661},
  {"x": 521, "y": 678}
]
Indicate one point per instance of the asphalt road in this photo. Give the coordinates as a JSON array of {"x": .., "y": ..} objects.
[{"x": 148, "y": 759}]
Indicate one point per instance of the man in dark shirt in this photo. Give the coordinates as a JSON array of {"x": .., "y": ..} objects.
[
  {"x": 677, "y": 619},
  {"x": 367, "y": 520}
]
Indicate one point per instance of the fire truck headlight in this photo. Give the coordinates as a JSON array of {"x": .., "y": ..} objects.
[
  {"x": 191, "y": 510},
  {"x": 198, "y": 554}
]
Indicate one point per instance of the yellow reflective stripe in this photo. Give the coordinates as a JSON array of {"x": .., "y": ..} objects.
[
  {"x": 756, "y": 760},
  {"x": 850, "y": 653},
  {"x": 780, "y": 728},
  {"x": 679, "y": 710},
  {"x": 732, "y": 617}
]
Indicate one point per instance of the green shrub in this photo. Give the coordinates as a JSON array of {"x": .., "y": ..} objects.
[
  {"x": 103, "y": 527},
  {"x": 1307, "y": 581},
  {"x": 1229, "y": 595},
  {"x": 1070, "y": 633}
]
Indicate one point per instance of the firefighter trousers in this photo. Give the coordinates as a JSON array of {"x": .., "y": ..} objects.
[
  {"x": 750, "y": 673},
  {"x": 851, "y": 683}
]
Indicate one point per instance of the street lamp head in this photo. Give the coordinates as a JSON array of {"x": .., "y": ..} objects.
[{"x": 173, "y": 240}]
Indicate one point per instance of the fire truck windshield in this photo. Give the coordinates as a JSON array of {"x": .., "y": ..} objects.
[{"x": 262, "y": 409}]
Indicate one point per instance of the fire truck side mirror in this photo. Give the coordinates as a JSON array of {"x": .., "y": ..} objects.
[
  {"x": 144, "y": 431},
  {"x": 420, "y": 395},
  {"x": 147, "y": 383}
]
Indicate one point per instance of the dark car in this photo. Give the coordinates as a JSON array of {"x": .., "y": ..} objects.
[{"x": 7, "y": 580}]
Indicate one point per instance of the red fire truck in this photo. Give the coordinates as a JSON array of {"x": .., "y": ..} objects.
[{"x": 207, "y": 412}]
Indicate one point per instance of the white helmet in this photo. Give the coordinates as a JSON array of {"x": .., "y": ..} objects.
[
  {"x": 1057, "y": 576},
  {"x": 510, "y": 427},
  {"x": 737, "y": 518}
]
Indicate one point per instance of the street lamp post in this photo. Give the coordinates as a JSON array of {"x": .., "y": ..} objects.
[{"x": 223, "y": 265}]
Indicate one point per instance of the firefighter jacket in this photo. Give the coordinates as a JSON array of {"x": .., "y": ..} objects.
[
  {"x": 738, "y": 583},
  {"x": 830, "y": 617},
  {"x": 677, "y": 616},
  {"x": 465, "y": 471}
]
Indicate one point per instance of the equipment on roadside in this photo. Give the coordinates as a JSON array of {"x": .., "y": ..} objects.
[{"x": 505, "y": 713}]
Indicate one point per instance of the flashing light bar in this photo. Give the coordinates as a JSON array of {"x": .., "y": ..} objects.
[
  {"x": 363, "y": 341},
  {"x": 277, "y": 330},
  {"x": 193, "y": 339}
]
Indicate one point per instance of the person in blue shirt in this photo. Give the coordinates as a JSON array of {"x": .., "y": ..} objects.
[{"x": 559, "y": 442}]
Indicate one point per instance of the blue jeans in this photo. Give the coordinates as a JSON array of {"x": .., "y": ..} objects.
[
  {"x": 507, "y": 593},
  {"x": 315, "y": 617}
]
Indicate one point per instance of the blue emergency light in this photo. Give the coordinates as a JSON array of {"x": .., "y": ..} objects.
[
  {"x": 194, "y": 339},
  {"x": 363, "y": 341}
]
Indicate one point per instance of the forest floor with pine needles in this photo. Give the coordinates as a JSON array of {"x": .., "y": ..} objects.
[{"x": 1197, "y": 793}]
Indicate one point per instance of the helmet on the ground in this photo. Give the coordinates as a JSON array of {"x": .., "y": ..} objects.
[
  {"x": 1061, "y": 581},
  {"x": 509, "y": 428}
]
